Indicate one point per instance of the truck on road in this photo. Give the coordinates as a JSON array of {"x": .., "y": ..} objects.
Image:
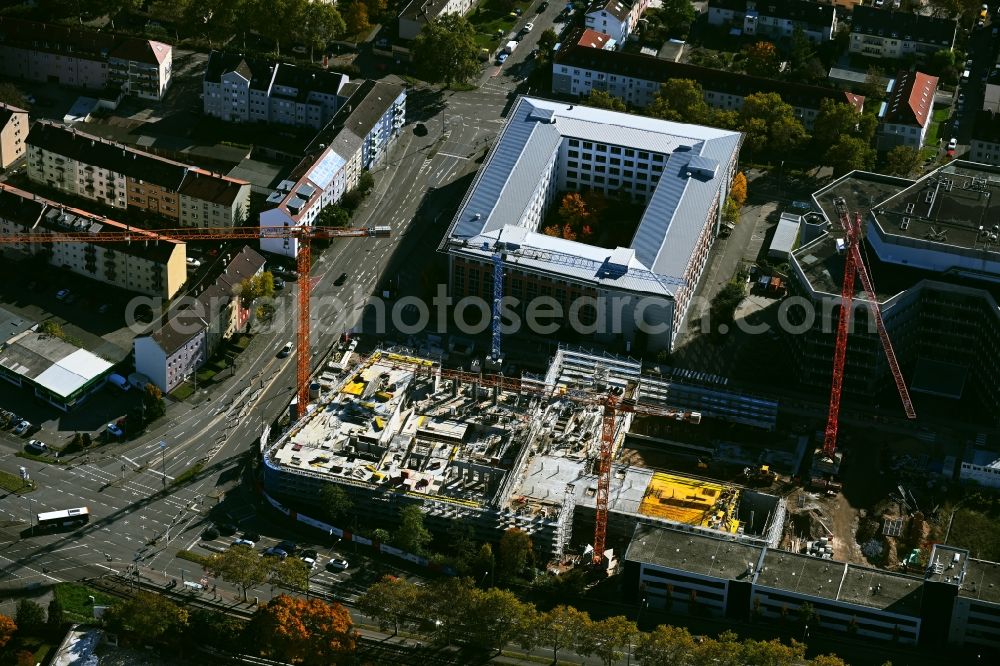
[{"x": 511, "y": 45}]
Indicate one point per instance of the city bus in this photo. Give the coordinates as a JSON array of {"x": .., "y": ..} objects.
[{"x": 63, "y": 519}]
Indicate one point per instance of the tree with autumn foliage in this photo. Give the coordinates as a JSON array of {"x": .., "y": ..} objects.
[
  {"x": 739, "y": 189},
  {"x": 303, "y": 631},
  {"x": 7, "y": 630},
  {"x": 762, "y": 59},
  {"x": 146, "y": 614}
]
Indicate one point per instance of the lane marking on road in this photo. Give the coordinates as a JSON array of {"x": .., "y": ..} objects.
[{"x": 457, "y": 157}]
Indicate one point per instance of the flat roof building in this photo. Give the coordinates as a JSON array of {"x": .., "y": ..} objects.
[
  {"x": 679, "y": 174},
  {"x": 56, "y": 371}
]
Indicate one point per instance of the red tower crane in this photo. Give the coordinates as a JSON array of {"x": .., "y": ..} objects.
[
  {"x": 305, "y": 235},
  {"x": 854, "y": 265}
]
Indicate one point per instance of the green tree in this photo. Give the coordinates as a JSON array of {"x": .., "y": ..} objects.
[
  {"x": 30, "y": 616},
  {"x": 447, "y": 604},
  {"x": 829, "y": 660},
  {"x": 152, "y": 399},
  {"x": 335, "y": 501},
  {"x": 834, "y": 120},
  {"x": 607, "y": 639},
  {"x": 390, "y": 601},
  {"x": 514, "y": 553},
  {"x": 356, "y": 17},
  {"x": 462, "y": 544},
  {"x": 366, "y": 181},
  {"x": 321, "y": 23},
  {"x": 772, "y": 652},
  {"x": 546, "y": 41},
  {"x": 411, "y": 535},
  {"x": 770, "y": 120},
  {"x": 333, "y": 216},
  {"x": 381, "y": 536},
  {"x": 874, "y": 86},
  {"x": 603, "y": 100},
  {"x": 902, "y": 160},
  {"x": 946, "y": 8},
  {"x": 500, "y": 618},
  {"x": 376, "y": 8},
  {"x": 665, "y": 645},
  {"x": 483, "y": 564},
  {"x": 848, "y": 154},
  {"x": 241, "y": 566},
  {"x": 146, "y": 614},
  {"x": 446, "y": 50},
  {"x": 263, "y": 13},
  {"x": 9, "y": 94},
  {"x": 678, "y": 15},
  {"x": 56, "y": 616},
  {"x": 681, "y": 100},
  {"x": 762, "y": 59},
  {"x": 561, "y": 628},
  {"x": 209, "y": 627},
  {"x": 290, "y": 573},
  {"x": 256, "y": 286}
]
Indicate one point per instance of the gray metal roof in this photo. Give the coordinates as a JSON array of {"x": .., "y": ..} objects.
[{"x": 671, "y": 224}]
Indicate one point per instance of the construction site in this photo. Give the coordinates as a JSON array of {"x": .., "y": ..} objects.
[{"x": 498, "y": 452}]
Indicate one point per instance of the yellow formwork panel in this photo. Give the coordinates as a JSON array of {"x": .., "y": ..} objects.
[{"x": 691, "y": 501}]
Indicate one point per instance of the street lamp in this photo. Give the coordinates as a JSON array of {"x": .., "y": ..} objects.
[
  {"x": 163, "y": 463},
  {"x": 638, "y": 617}
]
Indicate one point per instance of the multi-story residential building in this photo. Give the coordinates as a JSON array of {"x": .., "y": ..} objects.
[
  {"x": 357, "y": 138},
  {"x": 984, "y": 147},
  {"x": 240, "y": 89},
  {"x": 172, "y": 353},
  {"x": 74, "y": 56},
  {"x": 419, "y": 13},
  {"x": 934, "y": 250},
  {"x": 194, "y": 330},
  {"x": 151, "y": 264},
  {"x": 617, "y": 18},
  {"x": 885, "y": 33},
  {"x": 679, "y": 174},
  {"x": 13, "y": 134},
  {"x": 776, "y": 19},
  {"x": 636, "y": 79},
  {"x": 908, "y": 110},
  {"x": 121, "y": 177}
]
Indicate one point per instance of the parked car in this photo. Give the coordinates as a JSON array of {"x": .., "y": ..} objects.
[
  {"x": 953, "y": 144},
  {"x": 285, "y": 351},
  {"x": 251, "y": 536},
  {"x": 226, "y": 529},
  {"x": 22, "y": 427},
  {"x": 275, "y": 552},
  {"x": 36, "y": 446},
  {"x": 62, "y": 294},
  {"x": 542, "y": 7},
  {"x": 210, "y": 533},
  {"x": 115, "y": 430},
  {"x": 336, "y": 564},
  {"x": 288, "y": 546},
  {"x": 244, "y": 542},
  {"x": 343, "y": 276},
  {"x": 502, "y": 58},
  {"x": 193, "y": 263},
  {"x": 279, "y": 284},
  {"x": 528, "y": 27}
]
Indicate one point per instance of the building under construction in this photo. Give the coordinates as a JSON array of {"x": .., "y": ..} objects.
[
  {"x": 933, "y": 252},
  {"x": 399, "y": 429}
]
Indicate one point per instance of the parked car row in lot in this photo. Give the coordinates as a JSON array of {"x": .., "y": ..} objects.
[
  {"x": 282, "y": 550},
  {"x": 19, "y": 426}
]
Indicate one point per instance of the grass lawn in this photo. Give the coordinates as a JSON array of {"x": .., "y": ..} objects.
[
  {"x": 182, "y": 392},
  {"x": 76, "y": 603},
  {"x": 489, "y": 19},
  {"x": 15, "y": 484},
  {"x": 941, "y": 115},
  {"x": 206, "y": 375},
  {"x": 932, "y": 134}
]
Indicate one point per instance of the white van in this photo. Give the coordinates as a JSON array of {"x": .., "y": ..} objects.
[{"x": 965, "y": 76}]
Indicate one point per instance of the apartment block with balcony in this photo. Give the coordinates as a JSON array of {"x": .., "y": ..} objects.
[
  {"x": 122, "y": 177},
  {"x": 775, "y": 19},
  {"x": 357, "y": 138},
  {"x": 81, "y": 58},
  {"x": 636, "y": 79},
  {"x": 13, "y": 134},
  {"x": 240, "y": 89},
  {"x": 151, "y": 264},
  {"x": 886, "y": 33}
]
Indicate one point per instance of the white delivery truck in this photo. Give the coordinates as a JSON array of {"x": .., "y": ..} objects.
[{"x": 511, "y": 45}]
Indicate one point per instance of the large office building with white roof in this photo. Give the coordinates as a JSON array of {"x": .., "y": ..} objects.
[{"x": 679, "y": 174}]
